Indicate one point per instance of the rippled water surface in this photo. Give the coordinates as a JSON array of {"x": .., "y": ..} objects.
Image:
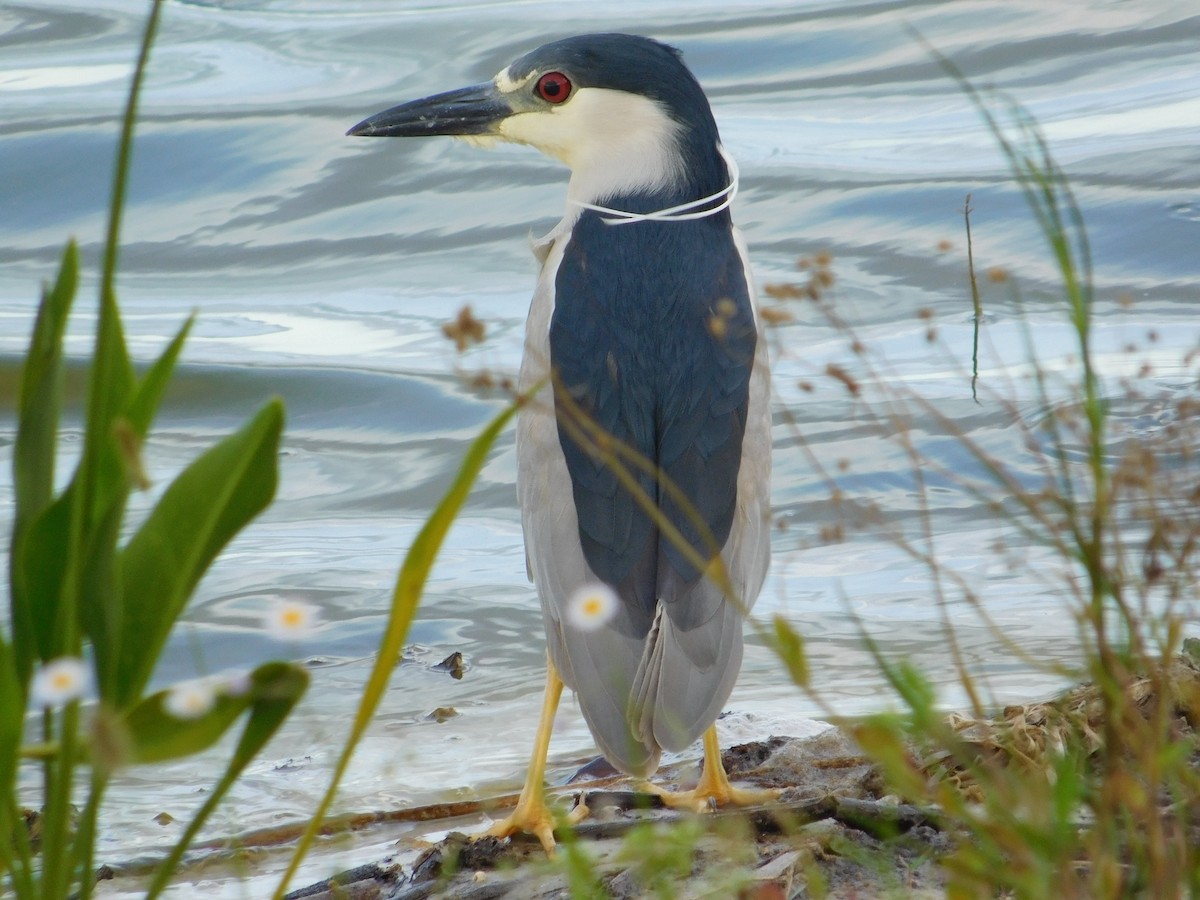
[{"x": 322, "y": 268}]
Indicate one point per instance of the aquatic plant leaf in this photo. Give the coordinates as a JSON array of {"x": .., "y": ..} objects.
[
  {"x": 146, "y": 399},
  {"x": 38, "y": 568},
  {"x": 202, "y": 509},
  {"x": 101, "y": 475},
  {"x": 154, "y": 734},
  {"x": 34, "y": 601},
  {"x": 101, "y": 597},
  {"x": 275, "y": 689},
  {"x": 41, "y": 393}
]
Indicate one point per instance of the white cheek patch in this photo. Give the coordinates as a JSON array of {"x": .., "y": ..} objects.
[{"x": 612, "y": 140}]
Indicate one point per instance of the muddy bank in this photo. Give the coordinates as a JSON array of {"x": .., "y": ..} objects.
[{"x": 827, "y": 825}]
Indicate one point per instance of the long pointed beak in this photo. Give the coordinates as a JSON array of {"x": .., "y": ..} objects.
[{"x": 470, "y": 110}]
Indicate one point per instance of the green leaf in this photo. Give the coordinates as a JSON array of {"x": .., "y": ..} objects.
[
  {"x": 155, "y": 735},
  {"x": 101, "y": 603},
  {"x": 39, "y": 565},
  {"x": 150, "y": 388},
  {"x": 41, "y": 394},
  {"x": 275, "y": 690},
  {"x": 202, "y": 509},
  {"x": 34, "y": 454},
  {"x": 101, "y": 475}
]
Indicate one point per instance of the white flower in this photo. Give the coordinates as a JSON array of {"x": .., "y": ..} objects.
[
  {"x": 291, "y": 620},
  {"x": 60, "y": 681},
  {"x": 191, "y": 699},
  {"x": 591, "y": 606}
]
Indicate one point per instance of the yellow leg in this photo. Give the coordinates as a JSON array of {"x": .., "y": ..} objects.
[
  {"x": 531, "y": 813},
  {"x": 714, "y": 788}
]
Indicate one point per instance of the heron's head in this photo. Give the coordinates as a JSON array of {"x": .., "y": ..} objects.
[{"x": 622, "y": 111}]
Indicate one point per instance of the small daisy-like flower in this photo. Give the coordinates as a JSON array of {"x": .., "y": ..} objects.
[
  {"x": 291, "y": 620},
  {"x": 591, "y": 606},
  {"x": 190, "y": 699},
  {"x": 60, "y": 681}
]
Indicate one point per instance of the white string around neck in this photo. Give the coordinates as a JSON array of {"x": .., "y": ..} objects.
[{"x": 683, "y": 212}]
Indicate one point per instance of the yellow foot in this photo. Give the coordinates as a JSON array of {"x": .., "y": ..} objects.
[
  {"x": 531, "y": 817},
  {"x": 714, "y": 789},
  {"x": 535, "y": 817},
  {"x": 704, "y": 798}
]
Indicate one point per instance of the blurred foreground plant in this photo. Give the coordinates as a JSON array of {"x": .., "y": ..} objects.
[
  {"x": 90, "y": 614},
  {"x": 1094, "y": 795}
]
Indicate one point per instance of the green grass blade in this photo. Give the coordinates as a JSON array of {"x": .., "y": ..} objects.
[
  {"x": 405, "y": 598},
  {"x": 112, "y": 239},
  {"x": 203, "y": 508}
]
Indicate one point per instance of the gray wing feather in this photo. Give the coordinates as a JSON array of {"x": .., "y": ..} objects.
[
  {"x": 639, "y": 692},
  {"x": 687, "y": 675}
]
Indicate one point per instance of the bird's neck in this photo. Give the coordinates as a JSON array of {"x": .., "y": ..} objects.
[
  {"x": 635, "y": 148},
  {"x": 598, "y": 188}
]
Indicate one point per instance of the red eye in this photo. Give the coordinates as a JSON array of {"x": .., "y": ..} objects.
[{"x": 554, "y": 87}]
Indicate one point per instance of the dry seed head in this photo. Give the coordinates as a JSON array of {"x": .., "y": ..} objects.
[
  {"x": 831, "y": 534},
  {"x": 465, "y": 330},
  {"x": 782, "y": 291},
  {"x": 838, "y": 373}
]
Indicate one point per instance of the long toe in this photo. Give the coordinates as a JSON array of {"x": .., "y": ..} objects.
[
  {"x": 709, "y": 796},
  {"x": 528, "y": 818}
]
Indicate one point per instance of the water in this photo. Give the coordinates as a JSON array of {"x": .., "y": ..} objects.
[{"x": 322, "y": 268}]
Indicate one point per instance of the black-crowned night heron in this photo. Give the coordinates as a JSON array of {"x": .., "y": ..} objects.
[{"x": 643, "y": 479}]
